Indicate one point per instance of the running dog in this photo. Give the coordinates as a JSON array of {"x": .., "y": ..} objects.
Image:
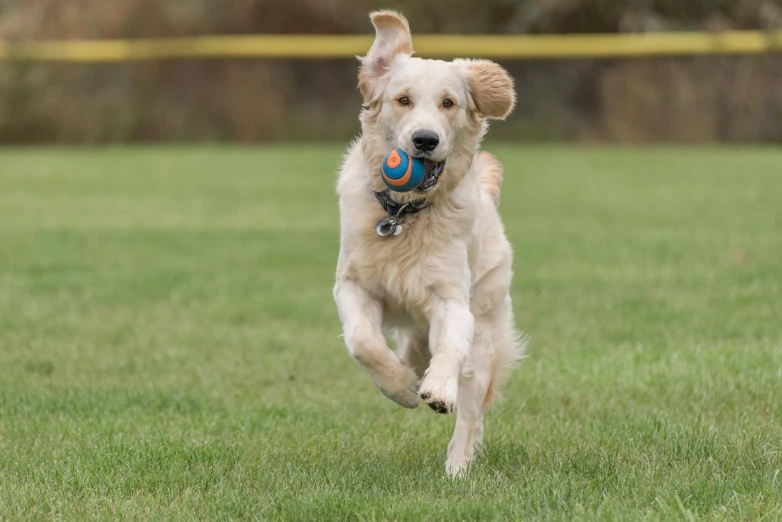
[{"x": 437, "y": 275}]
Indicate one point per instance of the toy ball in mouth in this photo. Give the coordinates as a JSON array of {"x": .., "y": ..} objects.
[{"x": 402, "y": 172}]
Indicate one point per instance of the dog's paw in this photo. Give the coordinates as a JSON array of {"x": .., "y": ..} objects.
[
  {"x": 407, "y": 399},
  {"x": 462, "y": 450},
  {"x": 402, "y": 389},
  {"x": 439, "y": 393},
  {"x": 457, "y": 464}
]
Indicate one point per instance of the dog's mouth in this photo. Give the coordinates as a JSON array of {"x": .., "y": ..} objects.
[{"x": 432, "y": 176}]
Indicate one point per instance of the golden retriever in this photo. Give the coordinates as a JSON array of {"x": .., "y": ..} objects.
[{"x": 439, "y": 280}]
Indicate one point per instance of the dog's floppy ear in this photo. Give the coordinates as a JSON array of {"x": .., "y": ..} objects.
[
  {"x": 491, "y": 87},
  {"x": 392, "y": 38}
]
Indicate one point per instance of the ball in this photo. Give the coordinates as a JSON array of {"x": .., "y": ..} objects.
[{"x": 402, "y": 172}]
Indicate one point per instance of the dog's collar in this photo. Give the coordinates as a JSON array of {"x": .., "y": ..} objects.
[
  {"x": 399, "y": 209},
  {"x": 396, "y": 211}
]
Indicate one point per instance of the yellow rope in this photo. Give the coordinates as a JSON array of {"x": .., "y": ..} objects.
[{"x": 348, "y": 46}]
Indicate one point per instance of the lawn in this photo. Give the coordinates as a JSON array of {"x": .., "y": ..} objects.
[{"x": 169, "y": 347}]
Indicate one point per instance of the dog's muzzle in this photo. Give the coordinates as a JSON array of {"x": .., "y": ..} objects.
[{"x": 432, "y": 176}]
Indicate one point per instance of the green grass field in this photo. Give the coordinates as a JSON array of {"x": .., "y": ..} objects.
[{"x": 169, "y": 347}]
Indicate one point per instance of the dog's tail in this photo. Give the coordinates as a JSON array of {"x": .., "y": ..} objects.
[{"x": 490, "y": 175}]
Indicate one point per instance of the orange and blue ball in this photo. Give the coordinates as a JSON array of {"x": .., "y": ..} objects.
[{"x": 402, "y": 172}]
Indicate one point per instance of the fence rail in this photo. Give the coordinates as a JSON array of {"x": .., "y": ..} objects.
[{"x": 348, "y": 46}]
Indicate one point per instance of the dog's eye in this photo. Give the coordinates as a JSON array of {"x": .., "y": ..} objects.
[
  {"x": 404, "y": 100},
  {"x": 447, "y": 103}
]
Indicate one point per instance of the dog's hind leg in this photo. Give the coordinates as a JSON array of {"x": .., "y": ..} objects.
[
  {"x": 473, "y": 386},
  {"x": 414, "y": 350},
  {"x": 496, "y": 347},
  {"x": 362, "y": 319}
]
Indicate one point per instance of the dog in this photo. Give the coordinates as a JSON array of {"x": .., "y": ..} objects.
[{"x": 432, "y": 266}]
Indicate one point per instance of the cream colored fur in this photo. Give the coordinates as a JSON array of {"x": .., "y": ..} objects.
[{"x": 442, "y": 286}]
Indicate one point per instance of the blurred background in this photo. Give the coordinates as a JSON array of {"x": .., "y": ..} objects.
[{"x": 703, "y": 99}]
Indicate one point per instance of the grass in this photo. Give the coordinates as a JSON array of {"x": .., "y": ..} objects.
[{"x": 169, "y": 348}]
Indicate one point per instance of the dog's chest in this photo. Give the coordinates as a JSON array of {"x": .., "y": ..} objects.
[
  {"x": 398, "y": 269},
  {"x": 408, "y": 271}
]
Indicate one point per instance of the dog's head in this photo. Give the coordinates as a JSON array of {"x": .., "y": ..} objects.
[{"x": 432, "y": 109}]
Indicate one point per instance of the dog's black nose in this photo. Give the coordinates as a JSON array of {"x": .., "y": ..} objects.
[{"x": 425, "y": 140}]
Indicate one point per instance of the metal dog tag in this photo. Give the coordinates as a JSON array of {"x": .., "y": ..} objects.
[{"x": 386, "y": 227}]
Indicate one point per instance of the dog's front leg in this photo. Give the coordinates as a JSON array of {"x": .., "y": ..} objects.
[
  {"x": 362, "y": 319},
  {"x": 450, "y": 337}
]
